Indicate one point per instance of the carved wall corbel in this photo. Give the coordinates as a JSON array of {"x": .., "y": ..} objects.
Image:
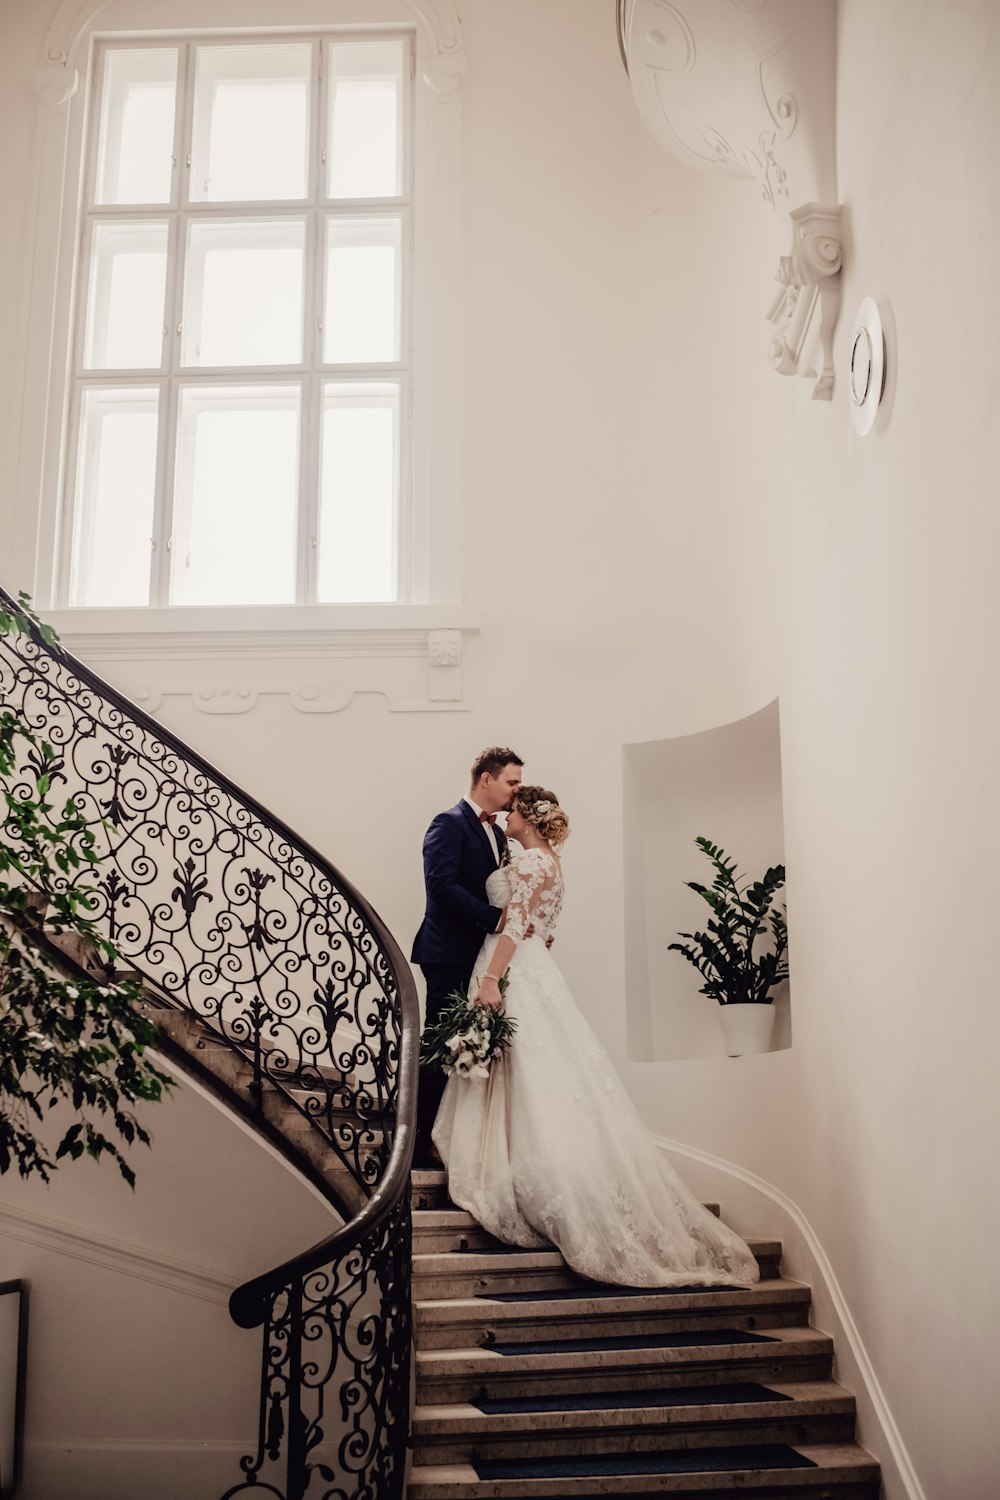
[
  {"x": 810, "y": 282},
  {"x": 444, "y": 651},
  {"x": 55, "y": 85}
]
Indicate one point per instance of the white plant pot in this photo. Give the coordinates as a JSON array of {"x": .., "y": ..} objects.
[{"x": 747, "y": 1028}]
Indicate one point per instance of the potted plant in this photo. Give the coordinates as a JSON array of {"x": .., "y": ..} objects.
[{"x": 740, "y": 979}]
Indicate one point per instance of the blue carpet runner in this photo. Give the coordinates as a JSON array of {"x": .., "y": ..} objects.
[
  {"x": 635, "y": 1341},
  {"x": 689, "y": 1461},
  {"x": 690, "y": 1395}
]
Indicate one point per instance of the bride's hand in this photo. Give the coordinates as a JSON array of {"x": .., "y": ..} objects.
[{"x": 489, "y": 993}]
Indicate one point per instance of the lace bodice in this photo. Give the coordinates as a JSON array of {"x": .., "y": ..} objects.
[{"x": 531, "y": 888}]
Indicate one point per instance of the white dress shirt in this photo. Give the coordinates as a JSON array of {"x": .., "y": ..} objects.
[{"x": 487, "y": 826}]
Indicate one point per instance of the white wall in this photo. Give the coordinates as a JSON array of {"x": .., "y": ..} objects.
[
  {"x": 138, "y": 1380},
  {"x": 634, "y": 477},
  {"x": 879, "y": 1123}
]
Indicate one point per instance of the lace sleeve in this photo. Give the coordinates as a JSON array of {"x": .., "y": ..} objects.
[{"x": 531, "y": 877}]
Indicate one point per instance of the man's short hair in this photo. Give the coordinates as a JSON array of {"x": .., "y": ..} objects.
[{"x": 493, "y": 760}]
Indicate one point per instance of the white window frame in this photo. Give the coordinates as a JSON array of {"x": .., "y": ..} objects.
[
  {"x": 431, "y": 595},
  {"x": 311, "y": 373}
]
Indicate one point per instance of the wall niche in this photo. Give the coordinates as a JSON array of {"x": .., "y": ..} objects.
[{"x": 724, "y": 783}]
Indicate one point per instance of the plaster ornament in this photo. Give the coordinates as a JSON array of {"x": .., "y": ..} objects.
[
  {"x": 810, "y": 282},
  {"x": 444, "y": 647}
]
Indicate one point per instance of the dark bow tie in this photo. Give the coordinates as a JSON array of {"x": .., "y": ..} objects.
[{"x": 490, "y": 818}]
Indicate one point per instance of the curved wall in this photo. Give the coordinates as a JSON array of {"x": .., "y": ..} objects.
[{"x": 723, "y": 784}]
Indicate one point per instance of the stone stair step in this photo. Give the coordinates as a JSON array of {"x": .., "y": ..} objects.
[
  {"x": 462, "y": 1322},
  {"x": 451, "y": 1219},
  {"x": 466, "y": 1273},
  {"x": 786, "y": 1413},
  {"x": 429, "y": 1189},
  {"x": 197, "y": 1034},
  {"x": 429, "y": 1194},
  {"x": 455, "y": 1375},
  {"x": 433, "y": 1236},
  {"x": 345, "y": 1127},
  {"x": 841, "y": 1471}
]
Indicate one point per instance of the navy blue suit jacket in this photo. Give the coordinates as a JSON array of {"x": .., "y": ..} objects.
[{"x": 458, "y": 860}]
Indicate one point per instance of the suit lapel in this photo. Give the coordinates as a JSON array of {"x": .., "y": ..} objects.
[{"x": 481, "y": 826}]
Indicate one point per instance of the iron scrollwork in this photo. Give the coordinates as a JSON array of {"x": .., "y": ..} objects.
[{"x": 226, "y": 914}]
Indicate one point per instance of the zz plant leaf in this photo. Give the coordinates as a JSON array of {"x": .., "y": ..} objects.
[
  {"x": 742, "y": 913},
  {"x": 67, "y": 1037}
]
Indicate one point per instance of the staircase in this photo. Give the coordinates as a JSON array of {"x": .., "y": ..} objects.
[
  {"x": 531, "y": 1382},
  {"x": 273, "y": 980}
]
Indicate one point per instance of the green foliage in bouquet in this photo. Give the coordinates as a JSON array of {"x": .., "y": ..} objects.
[
  {"x": 467, "y": 1038},
  {"x": 78, "y": 1041},
  {"x": 741, "y": 914}
]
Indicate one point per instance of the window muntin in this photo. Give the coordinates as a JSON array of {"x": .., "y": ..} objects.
[{"x": 275, "y": 325}]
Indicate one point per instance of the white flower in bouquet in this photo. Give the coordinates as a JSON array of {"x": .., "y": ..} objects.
[{"x": 467, "y": 1037}]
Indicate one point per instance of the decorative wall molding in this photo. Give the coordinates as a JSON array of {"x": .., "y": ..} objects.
[
  {"x": 442, "y": 23},
  {"x": 116, "y": 1255},
  {"x": 238, "y": 634},
  {"x": 305, "y": 698},
  {"x": 438, "y": 19},
  {"x": 746, "y": 88},
  {"x": 416, "y": 670},
  {"x": 68, "y": 25},
  {"x": 821, "y": 1261},
  {"x": 55, "y": 86}
]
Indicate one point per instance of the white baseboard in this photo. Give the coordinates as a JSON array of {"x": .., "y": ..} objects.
[{"x": 902, "y": 1478}]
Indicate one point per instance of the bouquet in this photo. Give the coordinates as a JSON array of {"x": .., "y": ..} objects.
[{"x": 467, "y": 1037}]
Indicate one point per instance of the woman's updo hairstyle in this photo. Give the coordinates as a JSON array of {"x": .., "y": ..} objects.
[{"x": 541, "y": 809}]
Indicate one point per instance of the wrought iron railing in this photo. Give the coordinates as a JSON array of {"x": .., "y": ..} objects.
[{"x": 228, "y": 915}]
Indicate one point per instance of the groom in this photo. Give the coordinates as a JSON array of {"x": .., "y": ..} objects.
[{"x": 462, "y": 848}]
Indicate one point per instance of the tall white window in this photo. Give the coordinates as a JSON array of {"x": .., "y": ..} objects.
[{"x": 239, "y": 430}]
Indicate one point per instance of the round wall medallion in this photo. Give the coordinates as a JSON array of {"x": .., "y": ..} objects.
[{"x": 866, "y": 381}]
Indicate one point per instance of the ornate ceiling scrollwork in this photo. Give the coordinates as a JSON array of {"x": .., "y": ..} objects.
[{"x": 746, "y": 88}]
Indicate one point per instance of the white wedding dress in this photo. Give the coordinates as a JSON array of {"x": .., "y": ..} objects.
[{"x": 549, "y": 1150}]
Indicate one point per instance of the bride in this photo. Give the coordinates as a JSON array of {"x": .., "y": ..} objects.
[{"x": 549, "y": 1150}]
